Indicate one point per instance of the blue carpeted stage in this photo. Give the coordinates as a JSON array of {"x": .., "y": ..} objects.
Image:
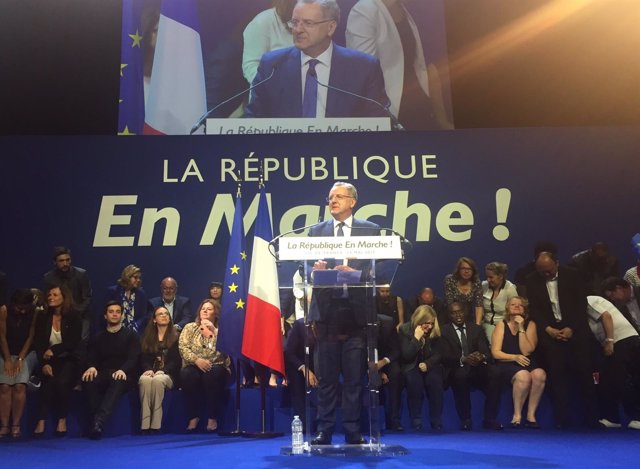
[{"x": 451, "y": 449}]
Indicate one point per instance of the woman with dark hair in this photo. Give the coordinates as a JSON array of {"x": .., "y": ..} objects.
[
  {"x": 496, "y": 291},
  {"x": 130, "y": 294},
  {"x": 18, "y": 359},
  {"x": 266, "y": 32},
  {"x": 463, "y": 286},
  {"x": 205, "y": 371},
  {"x": 160, "y": 362},
  {"x": 57, "y": 335},
  {"x": 421, "y": 355},
  {"x": 513, "y": 344}
]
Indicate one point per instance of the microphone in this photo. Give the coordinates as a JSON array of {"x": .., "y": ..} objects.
[
  {"x": 202, "y": 118},
  {"x": 403, "y": 240},
  {"x": 395, "y": 123},
  {"x": 272, "y": 244}
]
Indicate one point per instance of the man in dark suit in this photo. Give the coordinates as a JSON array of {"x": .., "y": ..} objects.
[
  {"x": 179, "y": 307},
  {"x": 558, "y": 305},
  {"x": 290, "y": 88},
  {"x": 340, "y": 317},
  {"x": 388, "y": 366},
  {"x": 469, "y": 364}
]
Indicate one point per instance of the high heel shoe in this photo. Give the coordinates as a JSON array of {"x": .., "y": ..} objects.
[
  {"x": 16, "y": 432},
  {"x": 60, "y": 433},
  {"x": 4, "y": 431}
]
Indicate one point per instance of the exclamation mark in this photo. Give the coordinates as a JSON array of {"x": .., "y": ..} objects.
[{"x": 503, "y": 199}]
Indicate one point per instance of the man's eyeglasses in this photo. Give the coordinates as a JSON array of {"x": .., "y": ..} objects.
[
  {"x": 338, "y": 197},
  {"x": 307, "y": 24}
]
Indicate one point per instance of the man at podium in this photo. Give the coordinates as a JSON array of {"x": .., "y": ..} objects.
[
  {"x": 315, "y": 77},
  {"x": 339, "y": 317}
]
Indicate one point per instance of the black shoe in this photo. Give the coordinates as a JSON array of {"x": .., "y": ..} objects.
[
  {"x": 532, "y": 425},
  {"x": 436, "y": 427},
  {"x": 416, "y": 425},
  {"x": 60, "y": 433},
  {"x": 354, "y": 439},
  {"x": 155, "y": 431},
  {"x": 492, "y": 425},
  {"x": 321, "y": 438},
  {"x": 516, "y": 425},
  {"x": 465, "y": 426},
  {"x": 96, "y": 431}
]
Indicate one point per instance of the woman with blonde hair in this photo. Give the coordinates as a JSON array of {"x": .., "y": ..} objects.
[
  {"x": 513, "y": 345},
  {"x": 421, "y": 355}
]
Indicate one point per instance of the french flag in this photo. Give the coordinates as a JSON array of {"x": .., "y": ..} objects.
[
  {"x": 177, "y": 96},
  {"x": 262, "y": 339}
]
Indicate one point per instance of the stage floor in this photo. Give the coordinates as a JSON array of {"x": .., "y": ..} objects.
[{"x": 507, "y": 449}]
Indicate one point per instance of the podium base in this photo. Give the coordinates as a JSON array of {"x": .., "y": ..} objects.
[{"x": 378, "y": 450}]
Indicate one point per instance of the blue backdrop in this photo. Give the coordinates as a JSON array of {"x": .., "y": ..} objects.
[{"x": 101, "y": 195}]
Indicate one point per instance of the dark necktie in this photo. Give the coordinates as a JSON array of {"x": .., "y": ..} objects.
[
  {"x": 340, "y": 231},
  {"x": 309, "y": 101},
  {"x": 463, "y": 341}
]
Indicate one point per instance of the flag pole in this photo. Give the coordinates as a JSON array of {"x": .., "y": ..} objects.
[{"x": 263, "y": 433}]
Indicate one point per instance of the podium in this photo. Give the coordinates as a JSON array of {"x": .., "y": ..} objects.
[{"x": 369, "y": 262}]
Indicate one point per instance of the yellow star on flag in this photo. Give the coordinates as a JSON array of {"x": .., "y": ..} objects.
[
  {"x": 126, "y": 131},
  {"x": 243, "y": 255},
  {"x": 122, "y": 66},
  {"x": 233, "y": 288},
  {"x": 136, "y": 39},
  {"x": 234, "y": 270},
  {"x": 239, "y": 304}
]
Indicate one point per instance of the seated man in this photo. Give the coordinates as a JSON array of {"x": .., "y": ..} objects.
[
  {"x": 179, "y": 307},
  {"x": 292, "y": 77},
  {"x": 294, "y": 356},
  {"x": 112, "y": 367},
  {"x": 620, "y": 372},
  {"x": 429, "y": 298},
  {"x": 469, "y": 363}
]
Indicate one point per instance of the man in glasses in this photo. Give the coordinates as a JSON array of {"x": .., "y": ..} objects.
[
  {"x": 293, "y": 77},
  {"x": 340, "y": 317}
]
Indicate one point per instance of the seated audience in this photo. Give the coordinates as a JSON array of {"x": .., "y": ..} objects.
[
  {"x": 390, "y": 305},
  {"x": 620, "y": 371},
  {"x": 469, "y": 364},
  {"x": 112, "y": 365},
  {"x": 595, "y": 265},
  {"x": 421, "y": 355},
  {"x": 632, "y": 275},
  {"x": 215, "y": 291},
  {"x": 205, "y": 371},
  {"x": 160, "y": 364},
  {"x": 179, "y": 307},
  {"x": 496, "y": 291},
  {"x": 18, "y": 360},
  {"x": 463, "y": 286},
  {"x": 513, "y": 345},
  {"x": 129, "y": 293},
  {"x": 57, "y": 337}
]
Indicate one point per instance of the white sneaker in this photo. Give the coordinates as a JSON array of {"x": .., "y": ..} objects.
[
  {"x": 634, "y": 424},
  {"x": 609, "y": 424}
]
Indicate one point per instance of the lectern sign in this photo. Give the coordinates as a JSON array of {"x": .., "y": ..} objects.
[{"x": 331, "y": 247}]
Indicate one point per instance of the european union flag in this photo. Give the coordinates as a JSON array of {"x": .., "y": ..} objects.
[
  {"x": 131, "y": 111},
  {"x": 234, "y": 298}
]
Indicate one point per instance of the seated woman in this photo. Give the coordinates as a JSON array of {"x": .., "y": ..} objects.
[
  {"x": 58, "y": 332},
  {"x": 18, "y": 359},
  {"x": 205, "y": 371},
  {"x": 420, "y": 346},
  {"x": 160, "y": 362},
  {"x": 513, "y": 343},
  {"x": 463, "y": 286},
  {"x": 496, "y": 291}
]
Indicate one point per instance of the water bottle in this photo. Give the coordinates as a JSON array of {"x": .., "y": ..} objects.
[{"x": 297, "y": 439}]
